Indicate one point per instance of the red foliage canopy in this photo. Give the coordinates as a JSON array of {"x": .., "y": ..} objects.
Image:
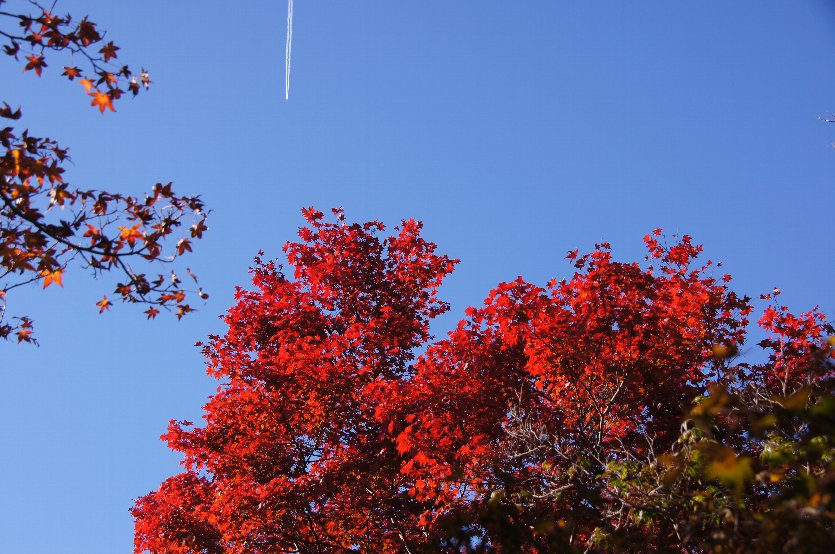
[{"x": 331, "y": 434}]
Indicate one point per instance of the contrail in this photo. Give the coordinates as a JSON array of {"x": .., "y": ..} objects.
[{"x": 288, "y": 49}]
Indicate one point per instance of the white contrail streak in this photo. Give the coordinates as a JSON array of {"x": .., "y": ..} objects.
[{"x": 288, "y": 49}]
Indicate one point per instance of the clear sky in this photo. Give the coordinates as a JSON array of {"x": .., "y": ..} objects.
[{"x": 515, "y": 130}]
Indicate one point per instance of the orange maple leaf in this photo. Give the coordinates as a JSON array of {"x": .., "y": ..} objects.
[
  {"x": 50, "y": 277},
  {"x": 102, "y": 101},
  {"x": 16, "y": 158},
  {"x": 131, "y": 234},
  {"x": 104, "y": 304}
]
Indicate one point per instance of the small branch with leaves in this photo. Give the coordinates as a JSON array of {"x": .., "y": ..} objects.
[{"x": 46, "y": 225}]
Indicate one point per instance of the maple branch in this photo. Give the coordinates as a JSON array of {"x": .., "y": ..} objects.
[{"x": 49, "y": 231}]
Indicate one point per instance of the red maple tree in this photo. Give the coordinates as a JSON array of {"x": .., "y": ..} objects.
[{"x": 537, "y": 425}]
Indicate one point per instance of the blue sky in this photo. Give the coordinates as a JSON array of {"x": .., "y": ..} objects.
[{"x": 515, "y": 130}]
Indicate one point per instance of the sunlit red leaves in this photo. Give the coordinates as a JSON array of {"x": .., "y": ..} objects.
[
  {"x": 328, "y": 431},
  {"x": 796, "y": 345},
  {"x": 331, "y": 344},
  {"x": 360, "y": 304},
  {"x": 186, "y": 524}
]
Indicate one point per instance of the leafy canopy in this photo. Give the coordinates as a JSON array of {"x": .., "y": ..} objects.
[{"x": 604, "y": 412}]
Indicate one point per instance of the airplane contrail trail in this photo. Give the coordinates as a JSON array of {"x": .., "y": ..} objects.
[{"x": 288, "y": 49}]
